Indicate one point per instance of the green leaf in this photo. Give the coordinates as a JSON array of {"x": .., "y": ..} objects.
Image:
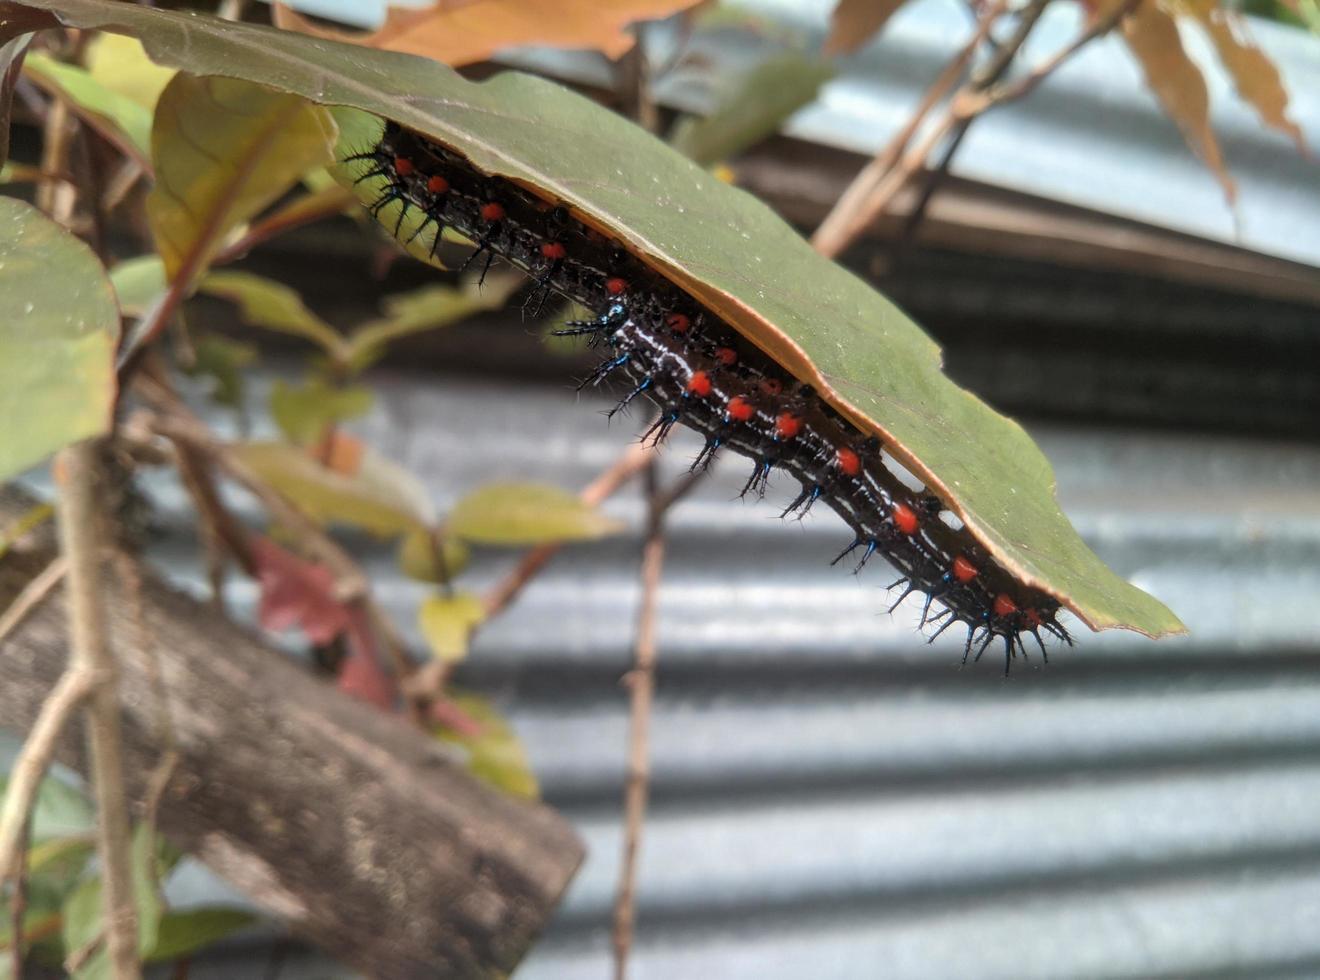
[
  {"x": 447, "y": 623},
  {"x": 494, "y": 753},
  {"x": 59, "y": 810},
  {"x": 82, "y": 923},
  {"x": 83, "y": 912},
  {"x": 138, "y": 283},
  {"x": 756, "y": 107},
  {"x": 223, "y": 361},
  {"x": 61, "y": 855},
  {"x": 150, "y": 864},
  {"x": 120, "y": 64},
  {"x": 428, "y": 308},
  {"x": 862, "y": 354},
  {"x": 266, "y": 303},
  {"x": 304, "y": 412},
  {"x": 224, "y": 150},
  {"x": 527, "y": 514},
  {"x": 382, "y": 497},
  {"x": 186, "y": 932},
  {"x": 417, "y": 556},
  {"x": 58, "y": 327},
  {"x": 126, "y": 122}
]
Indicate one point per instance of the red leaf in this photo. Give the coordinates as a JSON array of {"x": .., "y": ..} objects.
[
  {"x": 449, "y": 715},
  {"x": 296, "y": 593},
  {"x": 361, "y": 675}
]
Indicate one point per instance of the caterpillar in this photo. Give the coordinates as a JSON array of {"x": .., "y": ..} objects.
[{"x": 701, "y": 373}]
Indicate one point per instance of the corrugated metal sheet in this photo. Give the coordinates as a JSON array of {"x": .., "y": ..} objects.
[
  {"x": 1092, "y": 135},
  {"x": 834, "y": 798}
]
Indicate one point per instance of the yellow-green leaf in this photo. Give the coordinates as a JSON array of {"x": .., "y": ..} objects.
[
  {"x": 122, "y": 120},
  {"x": 527, "y": 514},
  {"x": 1152, "y": 37},
  {"x": 183, "y": 933},
  {"x": 428, "y": 308},
  {"x": 68, "y": 852},
  {"x": 266, "y": 303},
  {"x": 223, "y": 150},
  {"x": 304, "y": 412},
  {"x": 138, "y": 283},
  {"x": 447, "y": 623},
  {"x": 382, "y": 497},
  {"x": 223, "y": 361},
  {"x": 494, "y": 753},
  {"x": 58, "y": 327},
  {"x": 120, "y": 64},
  {"x": 418, "y": 559}
]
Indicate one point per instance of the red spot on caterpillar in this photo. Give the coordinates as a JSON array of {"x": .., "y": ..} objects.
[
  {"x": 740, "y": 409},
  {"x": 616, "y": 286},
  {"x": 726, "y": 356},
  {"x": 699, "y": 384},
  {"x": 678, "y": 323},
  {"x": 963, "y": 570},
  {"x": 787, "y": 425},
  {"x": 849, "y": 463},
  {"x": 553, "y": 250},
  {"x": 1004, "y": 605},
  {"x": 772, "y": 387},
  {"x": 403, "y": 166},
  {"x": 437, "y": 184},
  {"x": 905, "y": 518},
  {"x": 494, "y": 211},
  {"x": 1032, "y": 617}
]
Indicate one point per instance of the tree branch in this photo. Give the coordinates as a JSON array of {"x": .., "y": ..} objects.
[{"x": 369, "y": 838}]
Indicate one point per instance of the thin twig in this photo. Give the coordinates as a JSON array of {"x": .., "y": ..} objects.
[
  {"x": 176, "y": 423},
  {"x": 302, "y": 211},
  {"x": 34, "y": 759},
  {"x": 18, "y": 904},
  {"x": 985, "y": 76},
  {"x": 1011, "y": 91},
  {"x": 79, "y": 524},
  {"x": 620, "y": 472},
  {"x": 641, "y": 684},
  {"x": 31, "y": 596},
  {"x": 856, "y": 208}
]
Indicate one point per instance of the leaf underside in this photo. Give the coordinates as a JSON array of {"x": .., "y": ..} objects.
[{"x": 721, "y": 245}]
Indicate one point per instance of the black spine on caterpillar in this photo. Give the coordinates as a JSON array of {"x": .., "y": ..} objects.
[{"x": 701, "y": 374}]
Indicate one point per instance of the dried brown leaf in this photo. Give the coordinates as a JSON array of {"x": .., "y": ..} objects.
[
  {"x": 1152, "y": 36},
  {"x": 854, "y": 22},
  {"x": 1257, "y": 79},
  {"x": 460, "y": 33}
]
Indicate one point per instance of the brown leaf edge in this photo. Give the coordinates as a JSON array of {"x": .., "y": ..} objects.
[{"x": 854, "y": 22}]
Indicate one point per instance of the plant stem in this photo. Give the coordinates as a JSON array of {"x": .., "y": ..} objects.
[
  {"x": 868, "y": 195},
  {"x": 641, "y": 685},
  {"x": 79, "y": 524},
  {"x": 33, "y": 761}
]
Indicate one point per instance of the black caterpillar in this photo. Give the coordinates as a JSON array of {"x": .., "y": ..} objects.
[{"x": 701, "y": 373}]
